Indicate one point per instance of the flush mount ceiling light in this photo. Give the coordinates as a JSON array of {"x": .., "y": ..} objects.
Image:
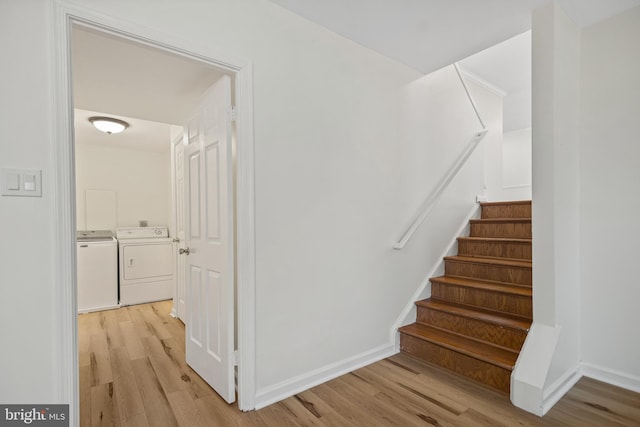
[{"x": 108, "y": 125}]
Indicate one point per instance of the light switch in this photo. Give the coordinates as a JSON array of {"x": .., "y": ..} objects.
[
  {"x": 29, "y": 182},
  {"x": 21, "y": 182},
  {"x": 13, "y": 181}
]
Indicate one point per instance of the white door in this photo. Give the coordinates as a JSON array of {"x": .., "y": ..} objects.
[
  {"x": 180, "y": 296},
  {"x": 209, "y": 239}
]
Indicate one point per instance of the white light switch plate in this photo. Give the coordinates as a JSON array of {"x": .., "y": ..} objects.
[{"x": 21, "y": 182}]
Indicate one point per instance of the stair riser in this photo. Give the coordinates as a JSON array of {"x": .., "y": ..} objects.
[
  {"x": 489, "y": 332},
  {"x": 505, "y": 230},
  {"x": 503, "y": 302},
  {"x": 515, "y": 275},
  {"x": 507, "y": 211},
  {"x": 482, "y": 372},
  {"x": 495, "y": 249}
]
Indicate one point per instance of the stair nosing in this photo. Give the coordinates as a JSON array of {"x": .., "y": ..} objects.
[
  {"x": 471, "y": 281},
  {"x": 488, "y": 281},
  {"x": 495, "y": 239},
  {"x": 506, "y": 219},
  {"x": 504, "y": 262},
  {"x": 507, "y": 203},
  {"x": 468, "y": 310},
  {"x": 458, "y": 349}
]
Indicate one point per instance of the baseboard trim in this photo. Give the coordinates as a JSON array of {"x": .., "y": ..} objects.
[
  {"x": 560, "y": 387},
  {"x": 609, "y": 376},
  {"x": 295, "y": 385}
]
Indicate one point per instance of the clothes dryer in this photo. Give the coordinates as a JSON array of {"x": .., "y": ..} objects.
[{"x": 147, "y": 264}]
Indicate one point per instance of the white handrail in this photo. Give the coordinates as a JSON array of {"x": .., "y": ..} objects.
[
  {"x": 466, "y": 89},
  {"x": 435, "y": 196},
  {"x": 437, "y": 193}
]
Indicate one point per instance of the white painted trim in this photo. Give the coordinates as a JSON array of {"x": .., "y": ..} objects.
[
  {"x": 295, "y": 385},
  {"x": 482, "y": 82},
  {"x": 508, "y": 187},
  {"x": 63, "y": 15},
  {"x": 174, "y": 220},
  {"x": 552, "y": 394},
  {"x": 246, "y": 239},
  {"x": 610, "y": 376},
  {"x": 64, "y": 202},
  {"x": 408, "y": 315}
]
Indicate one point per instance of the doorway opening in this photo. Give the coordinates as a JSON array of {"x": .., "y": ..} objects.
[{"x": 67, "y": 22}]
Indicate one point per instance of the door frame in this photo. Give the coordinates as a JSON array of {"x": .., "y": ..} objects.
[{"x": 64, "y": 16}]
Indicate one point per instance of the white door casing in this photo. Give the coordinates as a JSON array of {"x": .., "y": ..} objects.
[
  {"x": 65, "y": 16},
  {"x": 209, "y": 242},
  {"x": 179, "y": 301}
]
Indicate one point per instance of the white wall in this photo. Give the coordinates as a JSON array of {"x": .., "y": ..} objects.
[
  {"x": 507, "y": 154},
  {"x": 28, "y": 361},
  {"x": 516, "y": 164},
  {"x": 609, "y": 202},
  {"x": 552, "y": 349},
  {"x": 140, "y": 179},
  {"x": 331, "y": 158},
  {"x": 490, "y": 108}
]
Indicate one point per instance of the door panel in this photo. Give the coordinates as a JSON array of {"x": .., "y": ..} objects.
[
  {"x": 210, "y": 282},
  {"x": 213, "y": 193},
  {"x": 194, "y": 196}
]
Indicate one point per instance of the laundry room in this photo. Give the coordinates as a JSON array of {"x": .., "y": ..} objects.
[
  {"x": 125, "y": 192},
  {"x": 122, "y": 179}
]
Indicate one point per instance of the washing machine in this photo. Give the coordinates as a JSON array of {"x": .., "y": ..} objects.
[
  {"x": 147, "y": 264},
  {"x": 97, "y": 268}
]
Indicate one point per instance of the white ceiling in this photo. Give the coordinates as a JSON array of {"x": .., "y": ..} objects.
[
  {"x": 117, "y": 76},
  {"x": 430, "y": 34}
]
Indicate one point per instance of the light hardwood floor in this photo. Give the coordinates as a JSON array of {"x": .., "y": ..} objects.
[{"x": 133, "y": 373}]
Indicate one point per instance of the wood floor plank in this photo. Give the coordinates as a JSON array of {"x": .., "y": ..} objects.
[
  {"x": 113, "y": 333},
  {"x": 216, "y": 412},
  {"x": 153, "y": 397},
  {"x": 154, "y": 321},
  {"x": 85, "y": 403},
  {"x": 185, "y": 410},
  {"x": 167, "y": 369},
  {"x": 133, "y": 373},
  {"x": 126, "y": 391},
  {"x": 104, "y": 409},
  {"x": 303, "y": 412},
  {"x": 131, "y": 340},
  {"x": 99, "y": 359}
]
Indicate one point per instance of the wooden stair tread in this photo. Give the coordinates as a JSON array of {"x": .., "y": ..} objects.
[
  {"x": 495, "y": 239},
  {"x": 506, "y": 262},
  {"x": 506, "y": 203},
  {"x": 486, "y": 285},
  {"x": 488, "y": 316},
  {"x": 499, "y": 220},
  {"x": 478, "y": 350}
]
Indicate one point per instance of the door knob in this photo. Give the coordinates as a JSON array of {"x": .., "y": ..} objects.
[
  {"x": 176, "y": 240},
  {"x": 183, "y": 251}
]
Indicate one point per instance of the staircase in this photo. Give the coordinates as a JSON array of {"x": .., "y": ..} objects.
[{"x": 480, "y": 311}]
